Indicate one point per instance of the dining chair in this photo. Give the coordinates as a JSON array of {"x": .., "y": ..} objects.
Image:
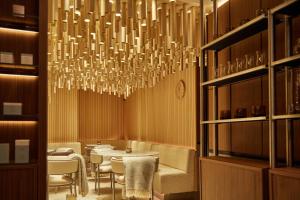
[
  {"x": 100, "y": 169},
  {"x": 118, "y": 173},
  {"x": 63, "y": 173}
]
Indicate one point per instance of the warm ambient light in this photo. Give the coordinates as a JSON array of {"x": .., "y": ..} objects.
[
  {"x": 20, "y": 123},
  {"x": 13, "y": 76},
  {"x": 117, "y": 46},
  {"x": 14, "y": 31}
]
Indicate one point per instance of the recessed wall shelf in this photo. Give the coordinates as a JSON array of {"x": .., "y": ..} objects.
[
  {"x": 289, "y": 61},
  {"x": 18, "y": 166},
  {"x": 246, "y": 119},
  {"x": 18, "y": 69},
  {"x": 290, "y": 8},
  {"x": 244, "y": 31},
  {"x": 19, "y": 26},
  {"x": 290, "y": 116},
  {"x": 18, "y": 117},
  {"x": 239, "y": 76}
]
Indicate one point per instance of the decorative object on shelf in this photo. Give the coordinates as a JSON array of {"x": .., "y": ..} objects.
[
  {"x": 22, "y": 151},
  {"x": 260, "y": 58},
  {"x": 4, "y": 153},
  {"x": 26, "y": 59},
  {"x": 216, "y": 72},
  {"x": 260, "y": 11},
  {"x": 244, "y": 21},
  {"x": 225, "y": 114},
  {"x": 297, "y": 91},
  {"x": 249, "y": 61},
  {"x": 297, "y": 47},
  {"x": 180, "y": 89},
  {"x": 258, "y": 110},
  {"x": 119, "y": 46},
  {"x": 240, "y": 113},
  {"x": 12, "y": 108},
  {"x": 7, "y": 57},
  {"x": 18, "y": 10}
]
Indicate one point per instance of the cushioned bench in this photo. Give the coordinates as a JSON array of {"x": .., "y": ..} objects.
[{"x": 176, "y": 172}]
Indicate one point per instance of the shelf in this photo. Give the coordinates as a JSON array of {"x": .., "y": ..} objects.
[
  {"x": 18, "y": 117},
  {"x": 238, "y": 162},
  {"x": 289, "y": 61},
  {"x": 290, "y": 116},
  {"x": 246, "y": 119},
  {"x": 291, "y": 8},
  {"x": 292, "y": 172},
  {"x": 19, "y": 26},
  {"x": 17, "y": 166},
  {"x": 18, "y": 69},
  {"x": 239, "y": 76},
  {"x": 244, "y": 31}
]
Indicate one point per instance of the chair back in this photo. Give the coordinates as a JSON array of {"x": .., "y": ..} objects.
[
  {"x": 96, "y": 159},
  {"x": 60, "y": 167},
  {"x": 117, "y": 165},
  {"x": 156, "y": 164}
]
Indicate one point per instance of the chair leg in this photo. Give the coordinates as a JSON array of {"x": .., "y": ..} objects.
[
  {"x": 71, "y": 189},
  {"x": 99, "y": 182},
  {"x": 75, "y": 189},
  {"x": 110, "y": 175},
  {"x": 113, "y": 186}
]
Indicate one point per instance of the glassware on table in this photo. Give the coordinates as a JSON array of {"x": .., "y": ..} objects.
[{"x": 297, "y": 47}]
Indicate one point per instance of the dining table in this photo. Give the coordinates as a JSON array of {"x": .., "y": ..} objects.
[{"x": 108, "y": 154}]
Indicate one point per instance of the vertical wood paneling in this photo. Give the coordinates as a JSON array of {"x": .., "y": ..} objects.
[
  {"x": 100, "y": 117},
  {"x": 63, "y": 116},
  {"x": 156, "y": 114}
]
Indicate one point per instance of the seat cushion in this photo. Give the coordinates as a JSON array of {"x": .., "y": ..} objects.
[
  {"x": 105, "y": 168},
  {"x": 57, "y": 180},
  {"x": 120, "y": 179},
  {"x": 171, "y": 180}
]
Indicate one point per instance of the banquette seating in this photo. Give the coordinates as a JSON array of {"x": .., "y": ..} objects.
[
  {"x": 176, "y": 165},
  {"x": 176, "y": 168}
]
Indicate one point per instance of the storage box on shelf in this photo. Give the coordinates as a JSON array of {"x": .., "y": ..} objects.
[{"x": 22, "y": 36}]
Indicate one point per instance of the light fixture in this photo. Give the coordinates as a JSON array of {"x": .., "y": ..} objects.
[{"x": 117, "y": 46}]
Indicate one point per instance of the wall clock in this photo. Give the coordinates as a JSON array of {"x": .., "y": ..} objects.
[{"x": 180, "y": 89}]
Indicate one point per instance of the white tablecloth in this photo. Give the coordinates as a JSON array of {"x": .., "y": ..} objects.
[{"x": 119, "y": 153}]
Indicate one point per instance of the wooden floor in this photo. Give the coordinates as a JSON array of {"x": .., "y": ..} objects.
[{"x": 106, "y": 192}]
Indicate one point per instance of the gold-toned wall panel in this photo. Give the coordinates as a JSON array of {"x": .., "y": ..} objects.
[
  {"x": 63, "y": 116},
  {"x": 100, "y": 116},
  {"x": 157, "y": 115}
]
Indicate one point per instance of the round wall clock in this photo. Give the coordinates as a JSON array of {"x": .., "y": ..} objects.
[{"x": 180, "y": 89}]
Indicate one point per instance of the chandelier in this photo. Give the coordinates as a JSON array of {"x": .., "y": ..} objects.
[{"x": 117, "y": 46}]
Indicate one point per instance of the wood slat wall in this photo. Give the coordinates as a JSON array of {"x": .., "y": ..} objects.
[
  {"x": 157, "y": 115},
  {"x": 100, "y": 116},
  {"x": 81, "y": 116},
  {"x": 63, "y": 116}
]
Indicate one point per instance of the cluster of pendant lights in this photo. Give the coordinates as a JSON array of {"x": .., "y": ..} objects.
[{"x": 119, "y": 46}]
